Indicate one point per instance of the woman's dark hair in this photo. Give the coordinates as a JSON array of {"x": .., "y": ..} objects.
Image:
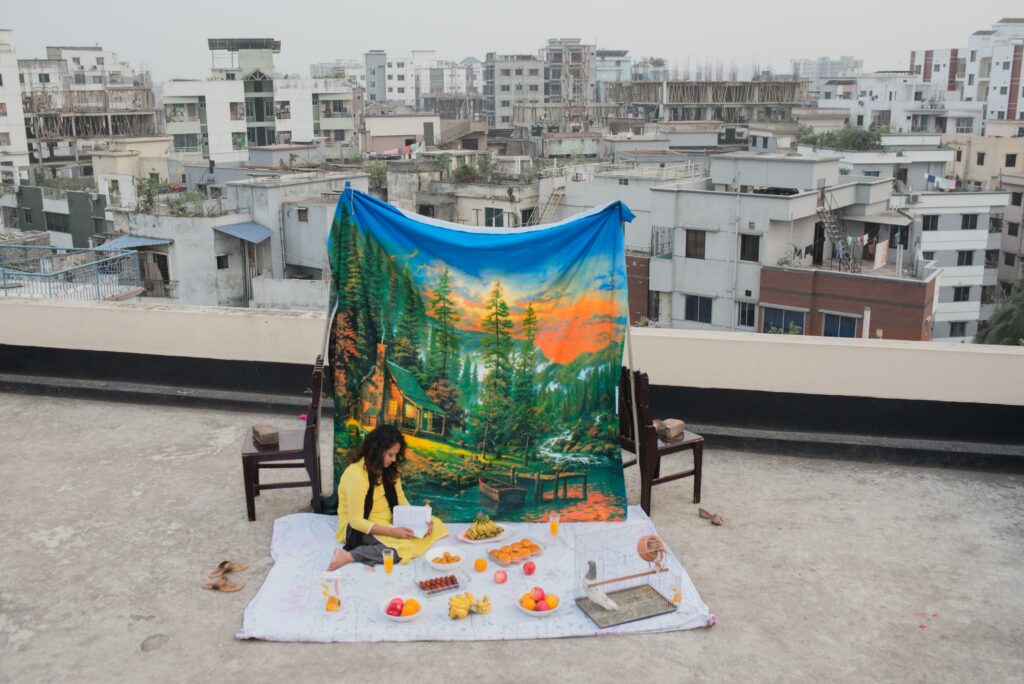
[{"x": 371, "y": 452}]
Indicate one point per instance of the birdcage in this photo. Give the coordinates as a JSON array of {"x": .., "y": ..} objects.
[{"x": 626, "y": 574}]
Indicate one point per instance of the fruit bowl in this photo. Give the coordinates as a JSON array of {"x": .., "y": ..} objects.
[
  {"x": 402, "y": 618},
  {"x": 490, "y": 540},
  {"x": 539, "y": 613},
  {"x": 439, "y": 552}
]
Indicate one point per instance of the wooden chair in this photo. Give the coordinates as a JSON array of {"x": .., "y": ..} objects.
[
  {"x": 652, "y": 448},
  {"x": 295, "y": 449}
]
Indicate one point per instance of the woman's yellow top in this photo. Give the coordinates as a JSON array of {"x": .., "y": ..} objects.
[{"x": 352, "y": 488}]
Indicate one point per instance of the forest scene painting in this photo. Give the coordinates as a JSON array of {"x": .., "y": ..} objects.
[{"x": 496, "y": 354}]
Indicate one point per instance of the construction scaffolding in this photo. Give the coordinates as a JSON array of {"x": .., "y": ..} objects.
[{"x": 726, "y": 101}]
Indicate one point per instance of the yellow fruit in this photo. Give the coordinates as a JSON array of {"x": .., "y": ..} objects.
[
  {"x": 414, "y": 603},
  {"x": 480, "y": 565},
  {"x": 551, "y": 600},
  {"x": 527, "y": 602},
  {"x": 408, "y": 610}
]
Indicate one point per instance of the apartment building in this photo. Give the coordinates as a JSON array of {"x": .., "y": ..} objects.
[
  {"x": 612, "y": 65},
  {"x": 79, "y": 99},
  {"x": 1011, "y": 249},
  {"x": 569, "y": 72},
  {"x": 898, "y": 100},
  {"x": 245, "y": 104},
  {"x": 14, "y": 158},
  {"x": 987, "y": 70},
  {"x": 511, "y": 80},
  {"x": 818, "y": 71},
  {"x": 983, "y": 159},
  {"x": 908, "y": 158}
]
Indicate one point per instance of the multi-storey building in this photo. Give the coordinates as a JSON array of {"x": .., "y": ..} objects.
[
  {"x": 613, "y": 65},
  {"x": 511, "y": 80},
  {"x": 823, "y": 69},
  {"x": 77, "y": 100},
  {"x": 988, "y": 70},
  {"x": 14, "y": 159},
  {"x": 726, "y": 101},
  {"x": 1011, "y": 249},
  {"x": 245, "y": 104},
  {"x": 375, "y": 67},
  {"x": 569, "y": 72},
  {"x": 896, "y": 99}
]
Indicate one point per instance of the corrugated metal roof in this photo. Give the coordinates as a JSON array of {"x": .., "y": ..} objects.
[
  {"x": 132, "y": 242},
  {"x": 248, "y": 231}
]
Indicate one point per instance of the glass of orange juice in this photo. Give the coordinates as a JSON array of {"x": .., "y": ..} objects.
[
  {"x": 389, "y": 561},
  {"x": 553, "y": 520}
]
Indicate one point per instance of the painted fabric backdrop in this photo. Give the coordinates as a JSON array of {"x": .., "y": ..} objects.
[{"x": 497, "y": 353}]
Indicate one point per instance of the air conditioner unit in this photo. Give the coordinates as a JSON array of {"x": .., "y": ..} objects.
[{"x": 914, "y": 199}]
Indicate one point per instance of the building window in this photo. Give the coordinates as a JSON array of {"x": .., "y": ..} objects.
[
  {"x": 230, "y": 76},
  {"x": 958, "y": 329},
  {"x": 959, "y": 155},
  {"x": 969, "y": 222},
  {"x": 974, "y": 55},
  {"x": 57, "y": 222},
  {"x": 1009, "y": 258},
  {"x": 28, "y": 216},
  {"x": 750, "y": 248},
  {"x": 44, "y": 78},
  {"x": 746, "y": 314},
  {"x": 506, "y": 72},
  {"x": 839, "y": 326},
  {"x": 981, "y": 159},
  {"x": 506, "y": 88},
  {"x": 695, "y": 244},
  {"x": 970, "y": 79},
  {"x": 623, "y": 181},
  {"x": 965, "y": 258},
  {"x": 961, "y": 294},
  {"x": 238, "y": 141},
  {"x": 1011, "y": 161},
  {"x": 3, "y": 109},
  {"x": 698, "y": 309},
  {"x": 519, "y": 72},
  {"x": 534, "y": 88},
  {"x": 1012, "y": 229},
  {"x": 1, "y": 80},
  {"x": 401, "y": 77},
  {"x": 930, "y": 222},
  {"x": 303, "y": 215},
  {"x": 506, "y": 103},
  {"x": 782, "y": 321},
  {"x": 99, "y": 60},
  {"x": 928, "y": 256},
  {"x": 5, "y": 139},
  {"x": 1016, "y": 198},
  {"x": 222, "y": 262},
  {"x": 186, "y": 142},
  {"x": 401, "y": 90},
  {"x": 494, "y": 217},
  {"x": 534, "y": 72}
]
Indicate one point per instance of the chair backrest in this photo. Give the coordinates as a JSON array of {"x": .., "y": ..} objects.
[
  {"x": 316, "y": 387},
  {"x": 649, "y": 436}
]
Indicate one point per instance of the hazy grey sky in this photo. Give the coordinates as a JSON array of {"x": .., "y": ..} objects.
[{"x": 170, "y": 37}]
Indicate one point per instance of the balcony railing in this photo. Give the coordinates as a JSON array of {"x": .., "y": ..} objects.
[
  {"x": 160, "y": 288},
  {"x": 44, "y": 272}
]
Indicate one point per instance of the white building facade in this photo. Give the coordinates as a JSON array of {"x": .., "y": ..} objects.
[{"x": 14, "y": 158}]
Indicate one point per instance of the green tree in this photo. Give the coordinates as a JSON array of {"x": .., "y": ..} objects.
[
  {"x": 524, "y": 392},
  {"x": 377, "y": 170},
  {"x": 492, "y": 419},
  {"x": 406, "y": 350},
  {"x": 444, "y": 340},
  {"x": 1007, "y": 324}
]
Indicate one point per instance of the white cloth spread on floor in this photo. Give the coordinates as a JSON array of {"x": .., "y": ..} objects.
[{"x": 290, "y": 604}]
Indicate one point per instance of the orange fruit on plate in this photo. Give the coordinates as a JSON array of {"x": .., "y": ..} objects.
[
  {"x": 551, "y": 600},
  {"x": 480, "y": 565},
  {"x": 414, "y": 603},
  {"x": 527, "y": 602}
]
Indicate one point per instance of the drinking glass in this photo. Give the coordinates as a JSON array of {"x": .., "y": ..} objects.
[
  {"x": 553, "y": 520},
  {"x": 389, "y": 561}
]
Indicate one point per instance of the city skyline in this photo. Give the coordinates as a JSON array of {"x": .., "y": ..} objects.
[{"x": 181, "y": 51}]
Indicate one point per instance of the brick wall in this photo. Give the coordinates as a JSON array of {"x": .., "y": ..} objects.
[{"x": 899, "y": 308}]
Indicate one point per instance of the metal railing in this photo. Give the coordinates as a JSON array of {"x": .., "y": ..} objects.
[{"x": 44, "y": 272}]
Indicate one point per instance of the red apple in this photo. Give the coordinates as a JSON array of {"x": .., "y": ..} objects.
[
  {"x": 529, "y": 567},
  {"x": 500, "y": 576},
  {"x": 537, "y": 593},
  {"x": 542, "y": 605}
]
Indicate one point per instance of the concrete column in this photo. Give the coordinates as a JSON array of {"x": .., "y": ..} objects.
[{"x": 866, "y": 325}]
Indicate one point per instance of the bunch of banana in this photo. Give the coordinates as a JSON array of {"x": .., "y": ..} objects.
[
  {"x": 461, "y": 605},
  {"x": 484, "y": 528}
]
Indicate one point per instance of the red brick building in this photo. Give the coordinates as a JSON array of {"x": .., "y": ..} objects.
[{"x": 833, "y": 302}]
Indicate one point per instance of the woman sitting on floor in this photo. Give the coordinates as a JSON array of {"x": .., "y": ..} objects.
[{"x": 370, "y": 487}]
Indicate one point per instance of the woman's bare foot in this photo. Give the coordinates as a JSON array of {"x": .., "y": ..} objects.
[{"x": 341, "y": 557}]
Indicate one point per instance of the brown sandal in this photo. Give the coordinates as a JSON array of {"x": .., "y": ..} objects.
[
  {"x": 221, "y": 584},
  {"x": 227, "y": 566},
  {"x": 717, "y": 520},
  {"x": 707, "y": 515}
]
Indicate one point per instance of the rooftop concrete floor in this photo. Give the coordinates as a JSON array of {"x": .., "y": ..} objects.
[{"x": 824, "y": 571}]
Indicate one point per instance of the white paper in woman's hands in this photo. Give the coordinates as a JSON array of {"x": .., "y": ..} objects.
[{"x": 416, "y": 518}]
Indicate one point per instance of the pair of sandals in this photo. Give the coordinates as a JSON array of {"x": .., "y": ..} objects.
[
  {"x": 713, "y": 517},
  {"x": 220, "y": 582}
]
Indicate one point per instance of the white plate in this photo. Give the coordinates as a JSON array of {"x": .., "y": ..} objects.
[
  {"x": 436, "y": 551},
  {"x": 535, "y": 613},
  {"x": 490, "y": 540},
  {"x": 407, "y": 618}
]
